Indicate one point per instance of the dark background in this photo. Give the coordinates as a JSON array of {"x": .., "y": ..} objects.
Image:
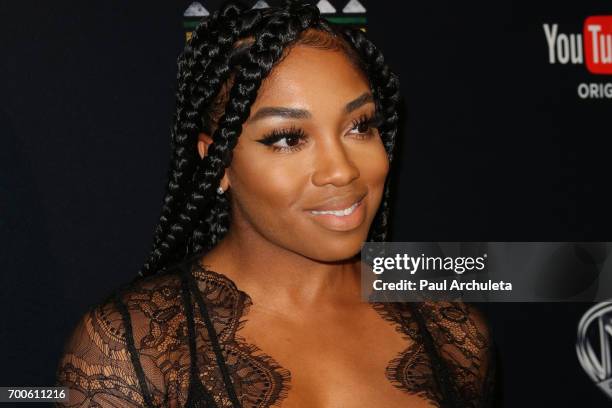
[{"x": 496, "y": 146}]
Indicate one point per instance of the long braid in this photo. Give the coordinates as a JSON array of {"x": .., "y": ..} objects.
[
  {"x": 211, "y": 229},
  {"x": 280, "y": 30},
  {"x": 385, "y": 84},
  {"x": 182, "y": 161},
  {"x": 218, "y": 220},
  {"x": 194, "y": 217},
  {"x": 385, "y": 88},
  {"x": 202, "y": 70}
]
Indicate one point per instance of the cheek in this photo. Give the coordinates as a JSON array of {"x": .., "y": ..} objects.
[
  {"x": 373, "y": 169},
  {"x": 375, "y": 165},
  {"x": 266, "y": 188},
  {"x": 269, "y": 192}
]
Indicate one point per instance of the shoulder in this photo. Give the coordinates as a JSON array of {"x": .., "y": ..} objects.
[
  {"x": 455, "y": 319},
  {"x": 134, "y": 344},
  {"x": 458, "y": 329},
  {"x": 132, "y": 322},
  {"x": 461, "y": 333}
]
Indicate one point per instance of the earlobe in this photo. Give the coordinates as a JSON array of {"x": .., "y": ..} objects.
[
  {"x": 224, "y": 183},
  {"x": 203, "y": 141}
]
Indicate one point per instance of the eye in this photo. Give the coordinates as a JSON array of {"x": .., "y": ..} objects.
[
  {"x": 285, "y": 140},
  {"x": 366, "y": 124}
]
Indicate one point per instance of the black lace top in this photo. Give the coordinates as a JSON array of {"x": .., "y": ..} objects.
[{"x": 170, "y": 340}]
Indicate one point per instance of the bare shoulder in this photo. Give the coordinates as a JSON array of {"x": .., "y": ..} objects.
[{"x": 140, "y": 323}]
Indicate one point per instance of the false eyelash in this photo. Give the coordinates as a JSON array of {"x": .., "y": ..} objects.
[
  {"x": 276, "y": 135},
  {"x": 373, "y": 121}
]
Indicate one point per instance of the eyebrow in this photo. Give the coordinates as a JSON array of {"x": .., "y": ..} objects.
[{"x": 295, "y": 113}]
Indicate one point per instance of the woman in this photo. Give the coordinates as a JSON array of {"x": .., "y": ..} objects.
[{"x": 283, "y": 136}]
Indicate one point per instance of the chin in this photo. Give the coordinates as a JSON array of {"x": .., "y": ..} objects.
[{"x": 338, "y": 249}]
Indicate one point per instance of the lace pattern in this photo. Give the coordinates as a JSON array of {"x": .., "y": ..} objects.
[
  {"x": 96, "y": 364},
  {"x": 460, "y": 339},
  {"x": 98, "y": 369},
  {"x": 260, "y": 381}
]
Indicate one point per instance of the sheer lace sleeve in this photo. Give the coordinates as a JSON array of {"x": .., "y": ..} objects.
[
  {"x": 130, "y": 350},
  {"x": 96, "y": 365},
  {"x": 462, "y": 338}
]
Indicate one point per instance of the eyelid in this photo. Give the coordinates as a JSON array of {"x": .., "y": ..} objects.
[
  {"x": 277, "y": 134},
  {"x": 373, "y": 120}
]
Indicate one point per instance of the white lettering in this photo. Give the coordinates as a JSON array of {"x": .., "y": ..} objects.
[
  {"x": 563, "y": 52},
  {"x": 595, "y": 90},
  {"x": 576, "y": 48},
  {"x": 563, "y": 48},
  {"x": 605, "y": 50},
  {"x": 594, "y": 29},
  {"x": 583, "y": 90},
  {"x": 550, "y": 39}
]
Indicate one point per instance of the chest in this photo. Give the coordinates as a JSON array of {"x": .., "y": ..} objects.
[{"x": 338, "y": 360}]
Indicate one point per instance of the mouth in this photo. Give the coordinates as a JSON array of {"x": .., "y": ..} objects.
[
  {"x": 343, "y": 219},
  {"x": 339, "y": 213}
]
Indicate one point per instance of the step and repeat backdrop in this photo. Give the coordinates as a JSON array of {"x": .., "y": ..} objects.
[{"x": 505, "y": 119}]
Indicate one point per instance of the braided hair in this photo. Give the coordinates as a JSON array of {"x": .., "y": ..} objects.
[{"x": 219, "y": 73}]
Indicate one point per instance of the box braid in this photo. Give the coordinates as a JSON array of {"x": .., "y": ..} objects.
[
  {"x": 194, "y": 218},
  {"x": 198, "y": 84},
  {"x": 385, "y": 88}
]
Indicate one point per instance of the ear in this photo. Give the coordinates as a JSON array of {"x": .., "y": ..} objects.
[{"x": 204, "y": 140}]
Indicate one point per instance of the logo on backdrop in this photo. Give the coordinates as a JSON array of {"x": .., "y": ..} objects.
[
  {"x": 591, "y": 48},
  {"x": 353, "y": 14},
  {"x": 594, "y": 345}
]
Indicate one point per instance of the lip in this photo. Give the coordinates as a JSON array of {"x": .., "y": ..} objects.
[
  {"x": 340, "y": 223},
  {"x": 338, "y": 203}
]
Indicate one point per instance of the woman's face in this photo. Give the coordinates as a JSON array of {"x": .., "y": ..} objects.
[{"x": 309, "y": 168}]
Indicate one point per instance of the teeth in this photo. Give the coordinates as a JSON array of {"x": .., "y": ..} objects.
[{"x": 339, "y": 213}]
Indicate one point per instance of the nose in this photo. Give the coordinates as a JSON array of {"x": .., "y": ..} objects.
[{"x": 333, "y": 165}]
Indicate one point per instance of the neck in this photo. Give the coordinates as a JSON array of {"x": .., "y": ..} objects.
[{"x": 279, "y": 279}]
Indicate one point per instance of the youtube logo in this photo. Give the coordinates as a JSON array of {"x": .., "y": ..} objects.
[
  {"x": 591, "y": 48},
  {"x": 598, "y": 44}
]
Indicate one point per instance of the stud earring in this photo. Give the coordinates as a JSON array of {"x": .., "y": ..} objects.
[{"x": 219, "y": 190}]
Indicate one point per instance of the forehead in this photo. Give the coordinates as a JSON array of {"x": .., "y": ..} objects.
[{"x": 310, "y": 76}]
